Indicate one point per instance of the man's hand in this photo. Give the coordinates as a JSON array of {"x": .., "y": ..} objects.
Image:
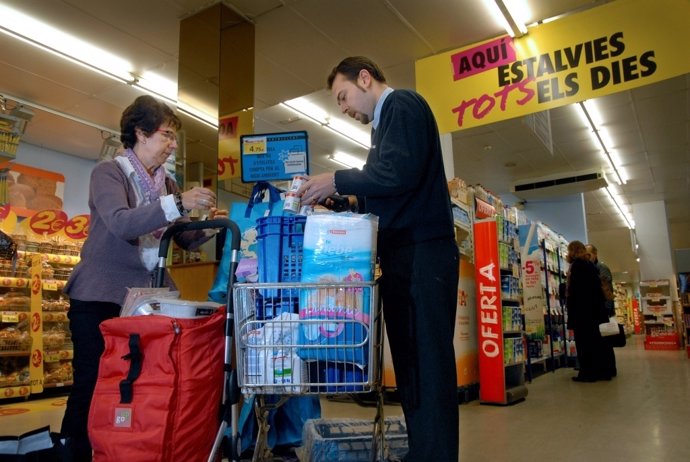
[
  {"x": 316, "y": 189},
  {"x": 337, "y": 203}
]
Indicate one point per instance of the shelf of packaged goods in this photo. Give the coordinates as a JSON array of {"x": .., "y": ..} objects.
[
  {"x": 11, "y": 316},
  {"x": 513, "y": 332},
  {"x": 54, "y": 356},
  {"x": 69, "y": 260},
  {"x": 539, "y": 360},
  {"x": 510, "y": 300},
  {"x": 15, "y": 392},
  {"x": 13, "y": 353},
  {"x": 55, "y": 316},
  {"x": 24, "y": 283},
  {"x": 58, "y": 384},
  {"x": 518, "y": 363}
]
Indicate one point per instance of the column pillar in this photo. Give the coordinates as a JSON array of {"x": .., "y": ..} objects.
[{"x": 654, "y": 240}]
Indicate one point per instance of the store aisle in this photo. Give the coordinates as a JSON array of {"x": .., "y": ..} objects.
[{"x": 642, "y": 415}]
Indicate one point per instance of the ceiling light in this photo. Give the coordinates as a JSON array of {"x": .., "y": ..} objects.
[
  {"x": 622, "y": 210},
  {"x": 588, "y": 114},
  {"x": 319, "y": 116},
  {"x": 347, "y": 160},
  {"x": 48, "y": 38},
  {"x": 511, "y": 14},
  {"x": 197, "y": 114},
  {"x": 41, "y": 35}
]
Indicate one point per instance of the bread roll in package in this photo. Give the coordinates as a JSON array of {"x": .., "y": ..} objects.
[{"x": 338, "y": 248}]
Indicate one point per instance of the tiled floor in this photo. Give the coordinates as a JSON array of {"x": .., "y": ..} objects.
[{"x": 642, "y": 415}]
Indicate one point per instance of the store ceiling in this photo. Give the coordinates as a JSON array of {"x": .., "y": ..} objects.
[{"x": 299, "y": 41}]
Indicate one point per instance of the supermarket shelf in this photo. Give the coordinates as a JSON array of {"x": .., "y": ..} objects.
[
  {"x": 24, "y": 283},
  {"x": 69, "y": 260},
  {"x": 54, "y": 356},
  {"x": 519, "y": 363},
  {"x": 539, "y": 360},
  {"x": 512, "y": 300},
  {"x": 58, "y": 384},
  {"x": 55, "y": 316},
  {"x": 15, "y": 392},
  {"x": 513, "y": 332},
  {"x": 10, "y": 354},
  {"x": 10, "y": 316}
]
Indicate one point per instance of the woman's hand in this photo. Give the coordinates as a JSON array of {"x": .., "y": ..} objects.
[
  {"x": 217, "y": 213},
  {"x": 198, "y": 198}
]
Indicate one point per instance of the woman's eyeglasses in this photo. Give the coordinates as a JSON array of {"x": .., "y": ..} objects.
[{"x": 168, "y": 134}]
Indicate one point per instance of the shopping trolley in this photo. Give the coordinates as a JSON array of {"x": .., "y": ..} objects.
[
  {"x": 230, "y": 394},
  {"x": 308, "y": 338}
]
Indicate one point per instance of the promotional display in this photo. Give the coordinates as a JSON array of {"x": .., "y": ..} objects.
[
  {"x": 501, "y": 376},
  {"x": 659, "y": 319},
  {"x": 544, "y": 270},
  {"x": 600, "y": 51},
  {"x": 35, "y": 351}
]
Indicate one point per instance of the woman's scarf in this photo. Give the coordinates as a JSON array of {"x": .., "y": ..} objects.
[
  {"x": 149, "y": 190},
  {"x": 150, "y": 186}
]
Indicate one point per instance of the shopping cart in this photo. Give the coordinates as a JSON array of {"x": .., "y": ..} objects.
[
  {"x": 308, "y": 338},
  {"x": 230, "y": 395}
]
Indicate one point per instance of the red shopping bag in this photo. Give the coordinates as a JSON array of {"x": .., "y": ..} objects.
[{"x": 159, "y": 388}]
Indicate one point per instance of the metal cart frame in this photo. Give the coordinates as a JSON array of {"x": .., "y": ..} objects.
[{"x": 333, "y": 346}]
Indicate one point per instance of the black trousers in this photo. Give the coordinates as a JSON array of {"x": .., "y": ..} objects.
[
  {"x": 84, "y": 319},
  {"x": 419, "y": 293}
]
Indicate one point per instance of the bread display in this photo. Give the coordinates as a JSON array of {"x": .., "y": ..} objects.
[{"x": 30, "y": 190}]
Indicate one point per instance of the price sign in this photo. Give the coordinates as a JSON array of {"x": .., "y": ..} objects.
[
  {"x": 78, "y": 227},
  {"x": 274, "y": 156},
  {"x": 9, "y": 316},
  {"x": 48, "y": 222},
  {"x": 254, "y": 145}
]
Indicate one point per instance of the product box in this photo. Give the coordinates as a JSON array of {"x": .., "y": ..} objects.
[{"x": 338, "y": 249}]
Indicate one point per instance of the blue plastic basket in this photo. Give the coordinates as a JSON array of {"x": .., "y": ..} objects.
[{"x": 279, "y": 252}]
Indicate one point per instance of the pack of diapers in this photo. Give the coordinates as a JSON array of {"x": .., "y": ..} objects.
[{"x": 338, "y": 248}]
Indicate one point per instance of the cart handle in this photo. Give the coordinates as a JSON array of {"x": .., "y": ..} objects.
[{"x": 218, "y": 223}]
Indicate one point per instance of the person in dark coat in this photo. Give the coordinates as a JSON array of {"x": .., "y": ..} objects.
[
  {"x": 606, "y": 279},
  {"x": 586, "y": 310}
]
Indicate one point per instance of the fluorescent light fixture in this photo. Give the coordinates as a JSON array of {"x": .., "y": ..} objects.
[
  {"x": 622, "y": 210},
  {"x": 162, "y": 86},
  {"x": 197, "y": 114},
  {"x": 307, "y": 109},
  {"x": 588, "y": 114},
  {"x": 46, "y": 37},
  {"x": 347, "y": 160},
  {"x": 319, "y": 116},
  {"x": 511, "y": 14}
]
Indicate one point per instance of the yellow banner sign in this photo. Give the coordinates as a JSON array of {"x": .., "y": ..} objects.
[
  {"x": 618, "y": 46},
  {"x": 230, "y": 129}
]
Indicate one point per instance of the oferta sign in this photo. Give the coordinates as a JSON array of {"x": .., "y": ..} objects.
[{"x": 617, "y": 46}]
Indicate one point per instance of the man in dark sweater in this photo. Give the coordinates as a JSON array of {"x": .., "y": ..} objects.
[{"x": 404, "y": 184}]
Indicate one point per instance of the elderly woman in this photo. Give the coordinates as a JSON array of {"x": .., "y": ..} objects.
[
  {"x": 132, "y": 201},
  {"x": 586, "y": 310}
]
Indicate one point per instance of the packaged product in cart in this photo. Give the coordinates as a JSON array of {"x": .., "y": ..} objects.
[{"x": 338, "y": 248}]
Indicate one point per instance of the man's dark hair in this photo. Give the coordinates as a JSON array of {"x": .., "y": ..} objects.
[{"x": 351, "y": 66}]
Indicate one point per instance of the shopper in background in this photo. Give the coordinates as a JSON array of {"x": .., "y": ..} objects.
[
  {"x": 404, "y": 184},
  {"x": 586, "y": 310},
  {"x": 132, "y": 201},
  {"x": 606, "y": 279}
]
